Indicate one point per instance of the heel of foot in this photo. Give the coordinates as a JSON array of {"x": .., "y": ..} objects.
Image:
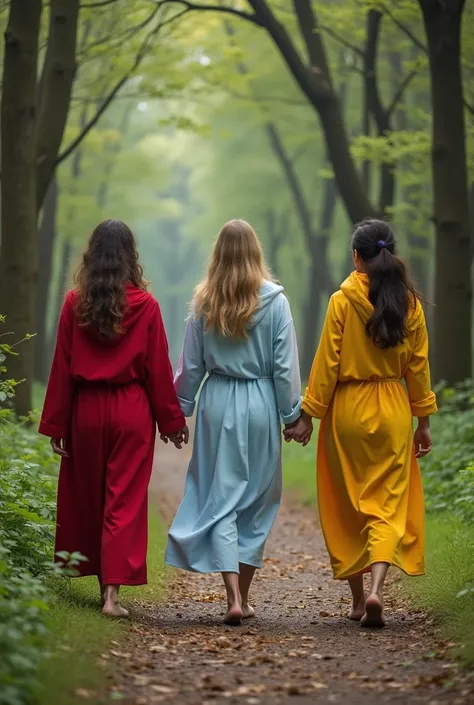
[
  {"x": 373, "y": 617},
  {"x": 115, "y": 610},
  {"x": 234, "y": 617},
  {"x": 356, "y": 614}
]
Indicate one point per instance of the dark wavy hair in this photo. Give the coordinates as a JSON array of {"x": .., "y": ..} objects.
[
  {"x": 108, "y": 265},
  {"x": 391, "y": 290}
]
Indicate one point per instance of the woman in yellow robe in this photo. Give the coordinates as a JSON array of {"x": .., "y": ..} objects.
[{"x": 370, "y": 493}]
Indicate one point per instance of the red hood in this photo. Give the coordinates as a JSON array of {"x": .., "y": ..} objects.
[{"x": 137, "y": 303}]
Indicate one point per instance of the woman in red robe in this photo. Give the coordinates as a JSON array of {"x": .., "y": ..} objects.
[{"x": 110, "y": 384}]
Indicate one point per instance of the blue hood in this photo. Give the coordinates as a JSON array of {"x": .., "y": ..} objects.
[{"x": 268, "y": 292}]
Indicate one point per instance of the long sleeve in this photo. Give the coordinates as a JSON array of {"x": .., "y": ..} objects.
[
  {"x": 56, "y": 415},
  {"x": 325, "y": 370},
  {"x": 417, "y": 377},
  {"x": 286, "y": 370},
  {"x": 159, "y": 379},
  {"x": 191, "y": 369}
]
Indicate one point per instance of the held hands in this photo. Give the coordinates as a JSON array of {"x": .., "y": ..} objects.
[
  {"x": 300, "y": 431},
  {"x": 177, "y": 438}
]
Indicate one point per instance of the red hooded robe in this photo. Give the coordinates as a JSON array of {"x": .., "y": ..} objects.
[{"x": 104, "y": 397}]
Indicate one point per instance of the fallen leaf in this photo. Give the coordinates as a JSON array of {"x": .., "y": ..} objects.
[
  {"x": 83, "y": 693},
  {"x": 164, "y": 689}
]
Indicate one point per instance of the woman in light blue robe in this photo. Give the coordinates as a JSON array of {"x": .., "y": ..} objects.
[{"x": 233, "y": 485}]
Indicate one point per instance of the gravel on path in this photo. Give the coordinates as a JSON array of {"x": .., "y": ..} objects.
[{"x": 299, "y": 649}]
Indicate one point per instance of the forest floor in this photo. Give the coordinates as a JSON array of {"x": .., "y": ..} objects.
[{"x": 300, "y": 648}]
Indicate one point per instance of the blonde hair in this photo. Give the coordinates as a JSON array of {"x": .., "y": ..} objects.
[{"x": 228, "y": 297}]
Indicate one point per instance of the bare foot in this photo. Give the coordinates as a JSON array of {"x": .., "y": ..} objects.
[
  {"x": 373, "y": 617},
  {"x": 114, "y": 609},
  {"x": 248, "y": 611},
  {"x": 234, "y": 616},
  {"x": 356, "y": 613}
]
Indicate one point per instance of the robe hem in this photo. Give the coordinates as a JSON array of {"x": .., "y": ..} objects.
[
  {"x": 116, "y": 581},
  {"x": 112, "y": 581},
  {"x": 190, "y": 569},
  {"x": 253, "y": 564},
  {"x": 366, "y": 569}
]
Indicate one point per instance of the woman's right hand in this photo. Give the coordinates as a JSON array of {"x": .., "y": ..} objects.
[
  {"x": 180, "y": 437},
  {"x": 59, "y": 447},
  {"x": 301, "y": 432},
  {"x": 422, "y": 438}
]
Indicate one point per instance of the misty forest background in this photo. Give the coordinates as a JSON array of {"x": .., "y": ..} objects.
[{"x": 301, "y": 117}]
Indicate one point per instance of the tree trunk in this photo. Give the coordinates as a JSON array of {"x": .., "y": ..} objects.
[
  {"x": 471, "y": 217},
  {"x": 66, "y": 254},
  {"x": 301, "y": 204},
  {"x": 277, "y": 232},
  {"x": 56, "y": 88},
  {"x": 46, "y": 240},
  {"x": 18, "y": 252},
  {"x": 320, "y": 279},
  {"x": 366, "y": 166},
  {"x": 311, "y": 312},
  {"x": 453, "y": 293},
  {"x": 111, "y": 157},
  {"x": 419, "y": 253},
  {"x": 376, "y": 107}
]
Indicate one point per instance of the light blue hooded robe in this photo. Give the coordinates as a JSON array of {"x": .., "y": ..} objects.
[{"x": 233, "y": 485}]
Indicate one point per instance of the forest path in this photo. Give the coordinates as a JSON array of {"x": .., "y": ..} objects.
[{"x": 300, "y": 649}]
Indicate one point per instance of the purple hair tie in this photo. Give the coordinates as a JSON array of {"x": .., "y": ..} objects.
[{"x": 381, "y": 244}]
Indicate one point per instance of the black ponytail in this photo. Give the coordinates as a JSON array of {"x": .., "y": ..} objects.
[{"x": 390, "y": 290}]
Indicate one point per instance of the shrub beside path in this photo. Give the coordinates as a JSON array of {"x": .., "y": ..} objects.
[{"x": 300, "y": 648}]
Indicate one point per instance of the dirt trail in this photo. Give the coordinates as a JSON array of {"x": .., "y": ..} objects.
[{"x": 299, "y": 649}]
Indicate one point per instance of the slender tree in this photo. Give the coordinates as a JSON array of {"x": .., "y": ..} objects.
[
  {"x": 55, "y": 89},
  {"x": 46, "y": 242},
  {"x": 453, "y": 290},
  {"x": 18, "y": 252}
]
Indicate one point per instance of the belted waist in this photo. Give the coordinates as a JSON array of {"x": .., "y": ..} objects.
[
  {"x": 374, "y": 379},
  {"x": 105, "y": 384},
  {"x": 215, "y": 373}
]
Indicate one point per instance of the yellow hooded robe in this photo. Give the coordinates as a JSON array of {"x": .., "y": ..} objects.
[{"x": 370, "y": 494}]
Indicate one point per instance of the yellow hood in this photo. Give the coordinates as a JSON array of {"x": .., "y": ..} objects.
[{"x": 356, "y": 288}]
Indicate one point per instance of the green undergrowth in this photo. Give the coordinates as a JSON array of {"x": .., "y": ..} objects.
[
  {"x": 447, "y": 589},
  {"x": 78, "y": 636}
]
